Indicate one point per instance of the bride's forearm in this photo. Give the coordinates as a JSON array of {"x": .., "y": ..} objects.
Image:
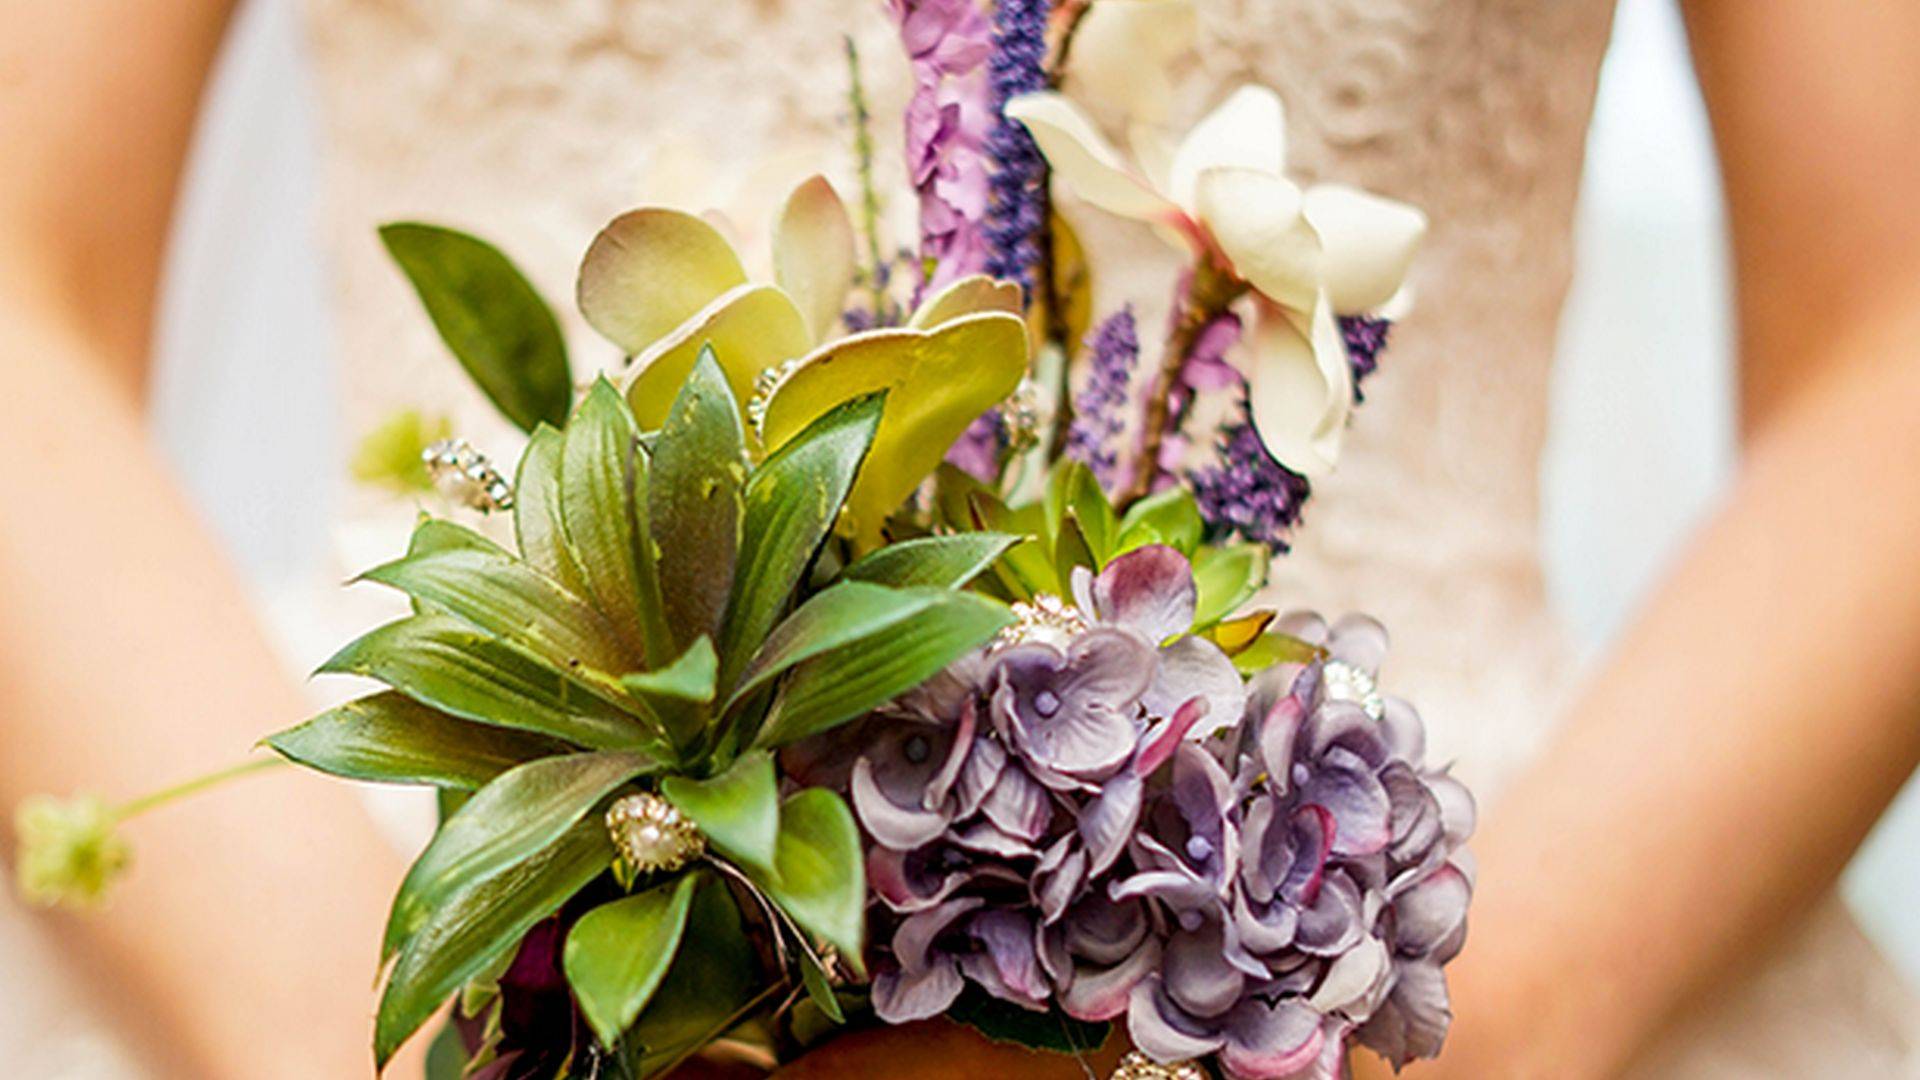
[
  {"x": 1724, "y": 764},
  {"x": 240, "y": 945}
]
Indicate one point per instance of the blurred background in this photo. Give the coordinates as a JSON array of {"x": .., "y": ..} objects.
[{"x": 1642, "y": 420}]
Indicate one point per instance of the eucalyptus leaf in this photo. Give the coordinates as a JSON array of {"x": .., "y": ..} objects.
[
  {"x": 789, "y": 508},
  {"x": 694, "y": 501},
  {"x": 706, "y": 991},
  {"x": 490, "y": 317},
  {"x": 946, "y": 562},
  {"x": 739, "y": 810},
  {"x": 830, "y": 689},
  {"x": 390, "y": 738},
  {"x": 508, "y": 599},
  {"x": 470, "y": 929},
  {"x": 522, "y": 811},
  {"x": 822, "y": 880},
  {"x": 603, "y": 496},
  {"x": 1225, "y": 578},
  {"x": 618, "y": 953},
  {"x": 446, "y": 663},
  {"x": 1169, "y": 517},
  {"x": 537, "y": 522}
]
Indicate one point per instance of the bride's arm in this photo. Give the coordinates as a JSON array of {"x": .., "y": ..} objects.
[
  {"x": 1766, "y": 706},
  {"x": 243, "y": 943}
]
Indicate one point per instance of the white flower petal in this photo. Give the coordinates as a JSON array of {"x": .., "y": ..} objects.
[
  {"x": 1300, "y": 387},
  {"x": 1247, "y": 131},
  {"x": 1369, "y": 242},
  {"x": 1153, "y": 148},
  {"x": 1121, "y": 51},
  {"x": 1083, "y": 157},
  {"x": 1256, "y": 220}
]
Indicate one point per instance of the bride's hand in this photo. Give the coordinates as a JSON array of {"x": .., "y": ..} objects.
[{"x": 943, "y": 1050}]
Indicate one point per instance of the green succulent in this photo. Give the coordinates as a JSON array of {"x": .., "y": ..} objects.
[{"x": 659, "y": 629}]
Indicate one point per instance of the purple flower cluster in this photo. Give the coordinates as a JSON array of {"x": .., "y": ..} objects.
[
  {"x": 1097, "y": 814},
  {"x": 947, "y": 120},
  {"x": 1366, "y": 338},
  {"x": 1099, "y": 409},
  {"x": 979, "y": 449},
  {"x": 1248, "y": 493},
  {"x": 1017, "y": 207}
]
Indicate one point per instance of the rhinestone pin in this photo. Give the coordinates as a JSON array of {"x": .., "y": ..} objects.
[
  {"x": 651, "y": 834},
  {"x": 1047, "y": 619},
  {"x": 465, "y": 475},
  {"x": 1138, "y": 1066},
  {"x": 1341, "y": 681}
]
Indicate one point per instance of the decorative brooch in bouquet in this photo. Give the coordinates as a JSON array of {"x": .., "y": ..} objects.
[{"x": 872, "y": 644}]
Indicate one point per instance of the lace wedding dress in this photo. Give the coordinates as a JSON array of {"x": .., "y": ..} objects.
[{"x": 534, "y": 121}]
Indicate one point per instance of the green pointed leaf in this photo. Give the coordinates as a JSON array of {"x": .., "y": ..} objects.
[
  {"x": 496, "y": 593},
  {"x": 603, "y": 499},
  {"x": 392, "y": 739},
  {"x": 945, "y": 562},
  {"x": 1027, "y": 567},
  {"x": 694, "y": 503},
  {"x": 490, "y": 316},
  {"x": 446, "y": 663},
  {"x": 689, "y": 678},
  {"x": 822, "y": 875},
  {"x": 447, "y": 1056},
  {"x": 522, "y": 811},
  {"x": 431, "y": 534},
  {"x": 1071, "y": 548},
  {"x": 739, "y": 810},
  {"x": 1169, "y": 517},
  {"x": 705, "y": 991},
  {"x": 469, "y": 931},
  {"x": 1225, "y": 578},
  {"x": 837, "y": 686},
  {"x": 1275, "y": 648},
  {"x": 819, "y": 990},
  {"x": 790, "y": 505},
  {"x": 537, "y": 523},
  {"x": 1072, "y": 492},
  {"x": 834, "y": 617},
  {"x": 1005, "y": 1022},
  {"x": 618, "y": 953}
]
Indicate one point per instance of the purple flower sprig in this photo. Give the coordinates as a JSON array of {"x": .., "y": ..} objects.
[
  {"x": 1097, "y": 815},
  {"x": 1017, "y": 206},
  {"x": 1099, "y": 409}
]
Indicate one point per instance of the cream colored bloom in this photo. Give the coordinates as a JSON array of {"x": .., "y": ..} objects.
[{"x": 1308, "y": 255}]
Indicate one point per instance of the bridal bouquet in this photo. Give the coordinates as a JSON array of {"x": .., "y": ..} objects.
[{"x": 874, "y": 644}]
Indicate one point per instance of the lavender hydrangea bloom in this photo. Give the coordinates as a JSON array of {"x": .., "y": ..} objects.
[
  {"x": 1099, "y": 409},
  {"x": 1017, "y": 207},
  {"x": 947, "y": 121},
  {"x": 1061, "y": 822}
]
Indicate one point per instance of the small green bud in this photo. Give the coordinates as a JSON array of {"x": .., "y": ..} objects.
[{"x": 70, "y": 854}]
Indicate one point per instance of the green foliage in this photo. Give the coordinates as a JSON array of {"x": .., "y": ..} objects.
[
  {"x": 822, "y": 875},
  {"x": 700, "y": 467},
  {"x": 392, "y": 739},
  {"x": 946, "y": 562},
  {"x": 706, "y": 991},
  {"x": 603, "y": 499},
  {"x": 472, "y": 928},
  {"x": 1226, "y": 577},
  {"x": 617, "y": 954},
  {"x": 739, "y": 810},
  {"x": 490, "y": 317},
  {"x": 519, "y": 813}
]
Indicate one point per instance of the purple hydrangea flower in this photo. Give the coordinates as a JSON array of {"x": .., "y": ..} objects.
[
  {"x": 1017, "y": 207},
  {"x": 1099, "y": 409},
  {"x": 1062, "y": 822},
  {"x": 947, "y": 119}
]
